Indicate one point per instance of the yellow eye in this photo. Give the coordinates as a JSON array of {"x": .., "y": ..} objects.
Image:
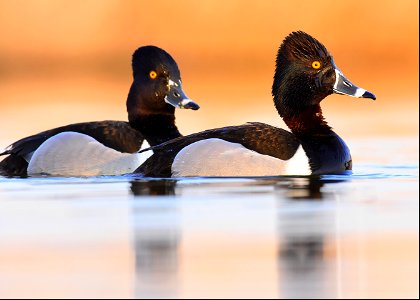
[
  {"x": 316, "y": 65},
  {"x": 152, "y": 74}
]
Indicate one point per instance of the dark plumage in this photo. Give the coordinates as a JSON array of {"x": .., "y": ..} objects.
[
  {"x": 148, "y": 110},
  {"x": 262, "y": 138},
  {"x": 151, "y": 106},
  {"x": 305, "y": 74}
]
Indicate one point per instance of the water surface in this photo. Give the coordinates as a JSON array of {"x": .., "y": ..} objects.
[{"x": 283, "y": 237}]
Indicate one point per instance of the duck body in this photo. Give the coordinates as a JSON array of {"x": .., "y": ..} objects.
[
  {"x": 305, "y": 74},
  {"x": 81, "y": 149},
  {"x": 253, "y": 149},
  {"x": 54, "y": 157},
  {"x": 258, "y": 137},
  {"x": 117, "y": 135}
]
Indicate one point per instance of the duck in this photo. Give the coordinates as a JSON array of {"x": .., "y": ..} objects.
[
  {"x": 109, "y": 147},
  {"x": 305, "y": 74}
]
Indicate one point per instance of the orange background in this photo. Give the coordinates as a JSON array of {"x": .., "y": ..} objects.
[{"x": 69, "y": 61}]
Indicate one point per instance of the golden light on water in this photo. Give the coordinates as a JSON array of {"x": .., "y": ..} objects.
[{"x": 64, "y": 62}]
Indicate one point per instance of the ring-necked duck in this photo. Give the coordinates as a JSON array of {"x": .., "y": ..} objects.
[
  {"x": 305, "y": 74},
  {"x": 106, "y": 147}
]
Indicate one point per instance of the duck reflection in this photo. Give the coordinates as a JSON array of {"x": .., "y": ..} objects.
[
  {"x": 303, "y": 265},
  {"x": 304, "y": 234},
  {"x": 304, "y": 189},
  {"x": 156, "y": 239},
  {"x": 144, "y": 187}
]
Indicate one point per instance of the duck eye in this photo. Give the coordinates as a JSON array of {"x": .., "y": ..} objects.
[
  {"x": 316, "y": 64},
  {"x": 152, "y": 74}
]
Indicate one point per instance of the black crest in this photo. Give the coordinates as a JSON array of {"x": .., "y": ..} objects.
[
  {"x": 300, "y": 45},
  {"x": 147, "y": 58},
  {"x": 294, "y": 57}
]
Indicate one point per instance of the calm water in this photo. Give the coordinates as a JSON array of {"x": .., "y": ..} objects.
[{"x": 335, "y": 236}]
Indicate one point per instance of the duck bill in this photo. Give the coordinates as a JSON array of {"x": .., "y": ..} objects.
[
  {"x": 177, "y": 98},
  {"x": 344, "y": 87}
]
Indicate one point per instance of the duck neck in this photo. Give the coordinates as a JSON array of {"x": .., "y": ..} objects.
[
  {"x": 156, "y": 128},
  {"x": 326, "y": 151},
  {"x": 153, "y": 118},
  {"x": 298, "y": 105},
  {"x": 308, "y": 122}
]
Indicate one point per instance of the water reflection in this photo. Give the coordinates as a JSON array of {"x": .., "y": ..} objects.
[
  {"x": 268, "y": 237},
  {"x": 302, "y": 265},
  {"x": 157, "y": 237},
  {"x": 156, "y": 260},
  {"x": 153, "y": 187},
  {"x": 304, "y": 189}
]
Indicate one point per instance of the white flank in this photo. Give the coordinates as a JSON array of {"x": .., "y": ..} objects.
[
  {"x": 216, "y": 157},
  {"x": 298, "y": 164},
  {"x": 76, "y": 154}
]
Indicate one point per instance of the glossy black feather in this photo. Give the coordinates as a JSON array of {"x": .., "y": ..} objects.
[
  {"x": 327, "y": 153},
  {"x": 118, "y": 135},
  {"x": 259, "y": 137},
  {"x": 13, "y": 166}
]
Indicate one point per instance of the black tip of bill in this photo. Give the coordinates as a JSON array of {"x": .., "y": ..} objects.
[
  {"x": 369, "y": 95},
  {"x": 189, "y": 104}
]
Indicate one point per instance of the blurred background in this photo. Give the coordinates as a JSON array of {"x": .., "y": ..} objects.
[
  {"x": 69, "y": 61},
  {"x": 63, "y": 62}
]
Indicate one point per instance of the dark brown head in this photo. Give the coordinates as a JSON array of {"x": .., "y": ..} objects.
[
  {"x": 305, "y": 74},
  {"x": 157, "y": 87}
]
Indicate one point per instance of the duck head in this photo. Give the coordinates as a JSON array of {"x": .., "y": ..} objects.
[
  {"x": 157, "y": 86},
  {"x": 305, "y": 74}
]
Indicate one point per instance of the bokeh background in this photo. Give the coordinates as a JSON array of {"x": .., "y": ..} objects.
[{"x": 69, "y": 61}]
